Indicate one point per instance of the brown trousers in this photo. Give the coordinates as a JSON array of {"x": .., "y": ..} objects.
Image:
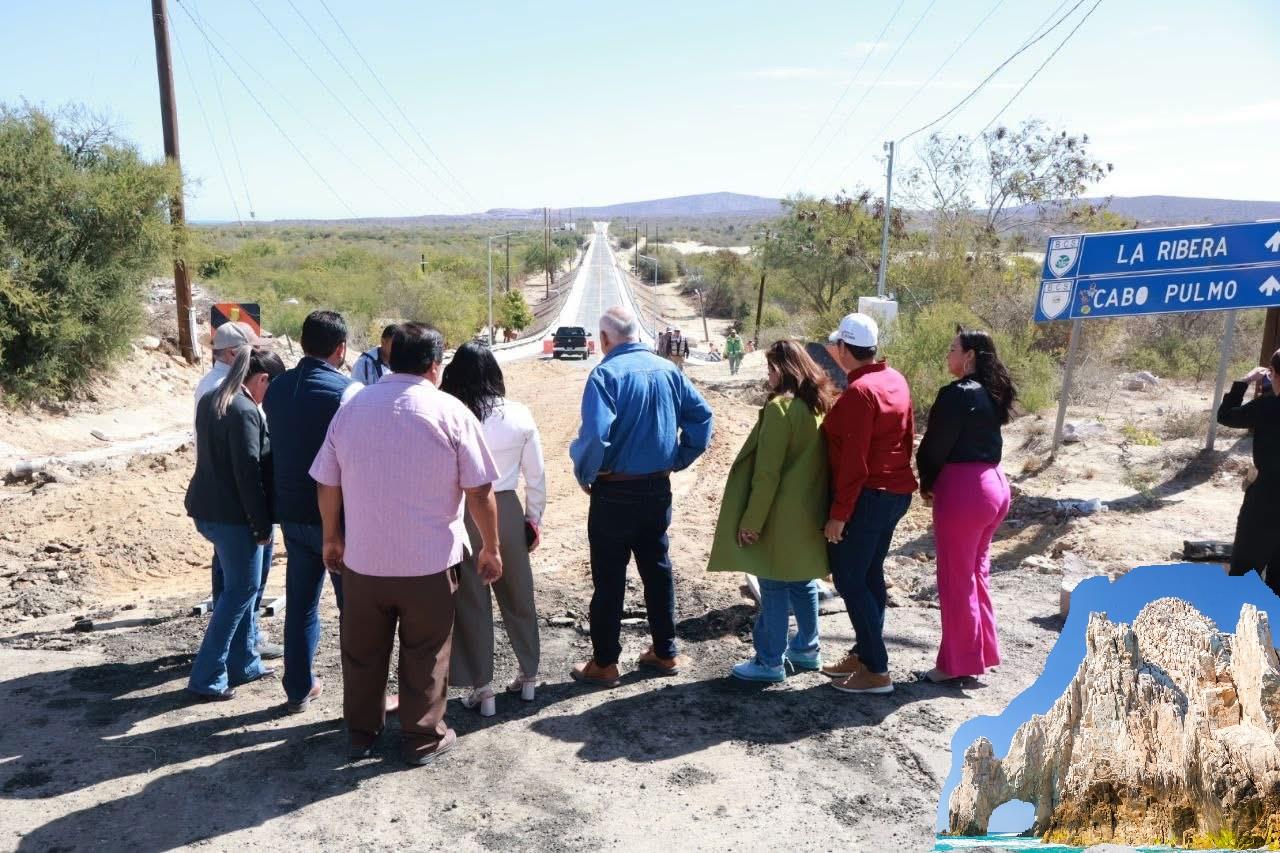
[{"x": 423, "y": 608}]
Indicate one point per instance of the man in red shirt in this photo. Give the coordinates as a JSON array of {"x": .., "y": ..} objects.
[{"x": 869, "y": 435}]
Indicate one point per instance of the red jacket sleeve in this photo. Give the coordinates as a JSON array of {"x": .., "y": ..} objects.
[{"x": 855, "y": 417}]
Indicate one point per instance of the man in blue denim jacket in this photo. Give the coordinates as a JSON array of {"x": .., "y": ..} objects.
[{"x": 641, "y": 420}]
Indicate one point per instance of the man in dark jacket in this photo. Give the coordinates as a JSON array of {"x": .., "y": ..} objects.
[{"x": 299, "y": 405}]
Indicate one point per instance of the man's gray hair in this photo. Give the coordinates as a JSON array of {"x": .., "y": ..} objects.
[{"x": 620, "y": 324}]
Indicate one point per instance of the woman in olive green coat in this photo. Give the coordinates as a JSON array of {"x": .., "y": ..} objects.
[{"x": 775, "y": 503}]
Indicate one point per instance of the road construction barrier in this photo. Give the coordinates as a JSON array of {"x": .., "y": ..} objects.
[{"x": 548, "y": 346}]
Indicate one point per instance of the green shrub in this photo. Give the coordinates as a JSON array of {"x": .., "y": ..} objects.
[
  {"x": 917, "y": 346},
  {"x": 1177, "y": 356},
  {"x": 82, "y": 227}
]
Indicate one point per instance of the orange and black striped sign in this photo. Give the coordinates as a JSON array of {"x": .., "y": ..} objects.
[{"x": 236, "y": 312}]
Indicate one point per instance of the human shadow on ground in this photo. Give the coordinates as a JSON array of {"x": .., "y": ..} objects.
[{"x": 682, "y": 718}]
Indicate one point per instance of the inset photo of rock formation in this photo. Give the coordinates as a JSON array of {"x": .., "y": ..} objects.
[{"x": 1167, "y": 735}]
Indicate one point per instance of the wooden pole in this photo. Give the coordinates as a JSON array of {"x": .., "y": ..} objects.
[
  {"x": 177, "y": 216},
  {"x": 1270, "y": 336}
]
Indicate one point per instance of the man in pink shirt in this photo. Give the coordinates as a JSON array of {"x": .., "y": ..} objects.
[{"x": 396, "y": 465}]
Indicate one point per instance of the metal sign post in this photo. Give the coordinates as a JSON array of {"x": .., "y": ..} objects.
[
  {"x": 1228, "y": 336},
  {"x": 1159, "y": 271},
  {"x": 1077, "y": 332}
]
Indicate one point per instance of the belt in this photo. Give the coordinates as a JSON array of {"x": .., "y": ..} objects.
[{"x": 610, "y": 477}]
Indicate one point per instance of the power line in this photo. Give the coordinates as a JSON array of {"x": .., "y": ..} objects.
[
  {"x": 372, "y": 136},
  {"x": 394, "y": 127},
  {"x": 923, "y": 86},
  {"x": 870, "y": 88},
  {"x": 1041, "y": 67},
  {"x": 267, "y": 113},
  {"x": 317, "y": 131},
  {"x": 213, "y": 140},
  {"x": 396, "y": 104},
  {"x": 843, "y": 95},
  {"x": 226, "y": 119},
  {"x": 973, "y": 93}
]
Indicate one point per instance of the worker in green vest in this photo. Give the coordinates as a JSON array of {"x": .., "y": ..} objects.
[{"x": 733, "y": 351}]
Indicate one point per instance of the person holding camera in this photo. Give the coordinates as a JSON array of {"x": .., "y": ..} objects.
[
  {"x": 1257, "y": 543},
  {"x": 474, "y": 377}
]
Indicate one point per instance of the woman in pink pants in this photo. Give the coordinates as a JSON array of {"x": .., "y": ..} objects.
[{"x": 959, "y": 466}]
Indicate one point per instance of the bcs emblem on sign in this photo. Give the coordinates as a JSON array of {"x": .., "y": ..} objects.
[
  {"x": 1055, "y": 297},
  {"x": 1063, "y": 252}
]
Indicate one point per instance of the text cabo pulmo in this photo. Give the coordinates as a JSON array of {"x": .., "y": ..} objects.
[{"x": 1181, "y": 293}]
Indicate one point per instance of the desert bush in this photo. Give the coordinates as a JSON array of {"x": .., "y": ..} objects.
[
  {"x": 917, "y": 345},
  {"x": 83, "y": 225},
  {"x": 669, "y": 262}
]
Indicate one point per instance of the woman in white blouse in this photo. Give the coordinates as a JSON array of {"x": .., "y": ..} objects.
[{"x": 474, "y": 377}]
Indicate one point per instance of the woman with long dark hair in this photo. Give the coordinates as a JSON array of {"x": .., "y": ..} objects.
[
  {"x": 771, "y": 518},
  {"x": 229, "y": 500},
  {"x": 474, "y": 377},
  {"x": 959, "y": 466}
]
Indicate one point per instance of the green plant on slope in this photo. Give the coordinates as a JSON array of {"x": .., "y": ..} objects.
[{"x": 82, "y": 227}]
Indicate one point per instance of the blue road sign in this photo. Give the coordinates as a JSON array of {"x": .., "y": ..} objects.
[{"x": 1161, "y": 271}]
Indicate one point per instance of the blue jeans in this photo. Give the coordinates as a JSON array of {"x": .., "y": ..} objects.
[
  {"x": 216, "y": 575},
  {"x": 267, "y": 552},
  {"x": 630, "y": 518},
  {"x": 304, "y": 584},
  {"x": 857, "y": 567},
  {"x": 778, "y": 599},
  {"x": 227, "y": 655}
]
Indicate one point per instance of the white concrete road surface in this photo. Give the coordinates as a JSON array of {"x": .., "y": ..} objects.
[{"x": 598, "y": 286}]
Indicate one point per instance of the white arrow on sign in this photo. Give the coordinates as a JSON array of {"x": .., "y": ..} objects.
[
  {"x": 1270, "y": 287},
  {"x": 1274, "y": 243}
]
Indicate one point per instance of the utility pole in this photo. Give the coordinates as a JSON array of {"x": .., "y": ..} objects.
[
  {"x": 507, "y": 287},
  {"x": 636, "y": 263},
  {"x": 546, "y": 249},
  {"x": 1270, "y": 336},
  {"x": 424, "y": 262},
  {"x": 884, "y": 234},
  {"x": 764, "y": 271},
  {"x": 702, "y": 306},
  {"x": 177, "y": 216}
]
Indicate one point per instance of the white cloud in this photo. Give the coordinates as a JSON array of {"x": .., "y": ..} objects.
[
  {"x": 789, "y": 73},
  {"x": 1257, "y": 113}
]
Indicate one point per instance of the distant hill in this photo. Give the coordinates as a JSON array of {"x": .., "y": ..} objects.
[
  {"x": 1179, "y": 210},
  {"x": 1153, "y": 210},
  {"x": 705, "y": 204}
]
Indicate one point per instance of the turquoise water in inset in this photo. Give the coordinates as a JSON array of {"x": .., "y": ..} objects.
[{"x": 1013, "y": 844}]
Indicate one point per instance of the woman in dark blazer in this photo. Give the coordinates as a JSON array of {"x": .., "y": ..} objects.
[
  {"x": 1257, "y": 543},
  {"x": 228, "y": 499}
]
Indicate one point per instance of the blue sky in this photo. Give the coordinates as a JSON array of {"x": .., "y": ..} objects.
[
  {"x": 1203, "y": 586},
  {"x": 576, "y": 103}
]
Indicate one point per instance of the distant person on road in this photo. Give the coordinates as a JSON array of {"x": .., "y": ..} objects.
[
  {"x": 677, "y": 349},
  {"x": 230, "y": 499},
  {"x": 775, "y": 504},
  {"x": 733, "y": 351},
  {"x": 393, "y": 472},
  {"x": 959, "y": 465},
  {"x": 1257, "y": 541},
  {"x": 869, "y": 435},
  {"x": 474, "y": 377},
  {"x": 299, "y": 406},
  {"x": 664, "y": 343},
  {"x": 641, "y": 420},
  {"x": 376, "y": 362}
]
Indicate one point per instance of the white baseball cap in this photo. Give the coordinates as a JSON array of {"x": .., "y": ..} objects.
[
  {"x": 857, "y": 330},
  {"x": 232, "y": 335}
]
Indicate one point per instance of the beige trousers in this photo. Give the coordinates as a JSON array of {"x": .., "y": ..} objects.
[{"x": 471, "y": 664}]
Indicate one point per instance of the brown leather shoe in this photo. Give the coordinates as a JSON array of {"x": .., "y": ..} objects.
[
  {"x": 312, "y": 695},
  {"x": 664, "y": 666},
  {"x": 590, "y": 672},
  {"x": 390, "y": 704},
  {"x": 865, "y": 681},
  {"x": 845, "y": 668},
  {"x": 418, "y": 759}
]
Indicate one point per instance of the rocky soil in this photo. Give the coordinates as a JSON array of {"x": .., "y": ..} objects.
[{"x": 101, "y": 748}]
